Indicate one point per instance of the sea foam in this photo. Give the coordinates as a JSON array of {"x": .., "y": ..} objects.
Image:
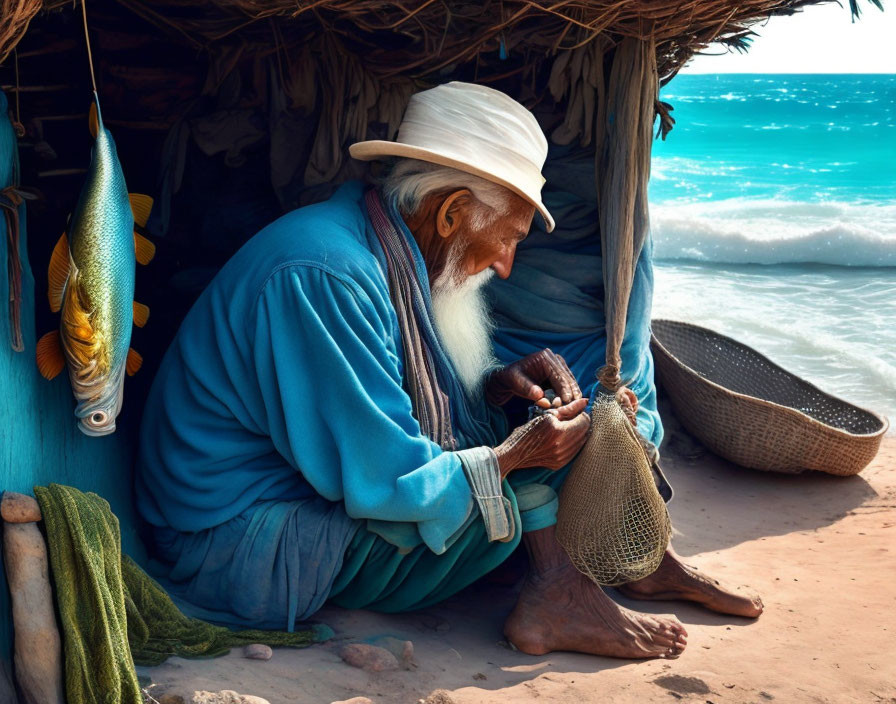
[{"x": 738, "y": 231}]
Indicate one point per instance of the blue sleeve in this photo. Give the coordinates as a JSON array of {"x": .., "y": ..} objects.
[{"x": 330, "y": 381}]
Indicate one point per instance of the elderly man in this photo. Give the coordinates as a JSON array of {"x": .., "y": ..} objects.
[{"x": 327, "y": 425}]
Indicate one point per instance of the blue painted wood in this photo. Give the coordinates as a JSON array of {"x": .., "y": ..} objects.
[{"x": 39, "y": 439}]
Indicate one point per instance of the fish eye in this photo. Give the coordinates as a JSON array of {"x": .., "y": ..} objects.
[{"x": 98, "y": 417}]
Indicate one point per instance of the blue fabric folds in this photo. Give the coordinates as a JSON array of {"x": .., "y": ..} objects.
[
  {"x": 278, "y": 425},
  {"x": 554, "y": 296},
  {"x": 270, "y": 563},
  {"x": 280, "y": 461}
]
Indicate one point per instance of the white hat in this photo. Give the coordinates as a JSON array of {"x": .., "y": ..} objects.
[{"x": 474, "y": 129}]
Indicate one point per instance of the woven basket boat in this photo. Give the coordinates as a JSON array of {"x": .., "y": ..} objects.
[{"x": 749, "y": 410}]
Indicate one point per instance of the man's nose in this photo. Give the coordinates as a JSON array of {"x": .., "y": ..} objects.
[{"x": 503, "y": 264}]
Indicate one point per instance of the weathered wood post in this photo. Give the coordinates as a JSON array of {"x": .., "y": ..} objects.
[{"x": 38, "y": 648}]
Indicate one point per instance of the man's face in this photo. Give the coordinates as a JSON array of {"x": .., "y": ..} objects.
[
  {"x": 476, "y": 247},
  {"x": 494, "y": 245}
]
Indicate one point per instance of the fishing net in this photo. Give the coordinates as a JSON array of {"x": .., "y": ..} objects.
[{"x": 612, "y": 520}]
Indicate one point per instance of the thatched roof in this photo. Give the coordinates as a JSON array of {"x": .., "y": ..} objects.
[
  {"x": 420, "y": 37},
  {"x": 307, "y": 78}
]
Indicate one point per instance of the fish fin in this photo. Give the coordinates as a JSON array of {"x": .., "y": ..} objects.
[
  {"x": 141, "y": 206},
  {"x": 141, "y": 314},
  {"x": 60, "y": 265},
  {"x": 144, "y": 249},
  {"x": 134, "y": 362},
  {"x": 50, "y": 360},
  {"x": 93, "y": 120}
]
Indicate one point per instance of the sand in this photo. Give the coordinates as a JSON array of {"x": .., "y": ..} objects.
[{"x": 819, "y": 549}]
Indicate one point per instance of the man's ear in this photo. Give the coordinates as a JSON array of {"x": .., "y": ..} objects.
[{"x": 450, "y": 213}]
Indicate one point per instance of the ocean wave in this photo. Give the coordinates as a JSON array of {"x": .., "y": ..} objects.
[
  {"x": 832, "y": 326},
  {"x": 739, "y": 231}
]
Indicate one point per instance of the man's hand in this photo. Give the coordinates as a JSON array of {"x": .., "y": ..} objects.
[
  {"x": 551, "y": 440},
  {"x": 629, "y": 402},
  {"x": 529, "y": 376}
]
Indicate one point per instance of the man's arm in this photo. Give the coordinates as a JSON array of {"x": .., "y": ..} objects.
[{"x": 335, "y": 407}]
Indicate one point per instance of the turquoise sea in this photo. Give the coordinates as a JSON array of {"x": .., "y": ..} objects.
[{"x": 773, "y": 213}]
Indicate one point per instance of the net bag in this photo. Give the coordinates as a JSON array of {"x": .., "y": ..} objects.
[{"x": 612, "y": 521}]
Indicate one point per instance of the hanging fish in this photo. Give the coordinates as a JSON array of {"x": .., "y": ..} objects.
[{"x": 91, "y": 281}]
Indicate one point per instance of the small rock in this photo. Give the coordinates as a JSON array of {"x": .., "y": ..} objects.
[
  {"x": 403, "y": 650},
  {"x": 226, "y": 696},
  {"x": 171, "y": 699},
  {"x": 679, "y": 684},
  {"x": 369, "y": 657},
  {"x": 322, "y": 632},
  {"x": 258, "y": 651},
  {"x": 440, "y": 696},
  {"x": 479, "y": 676},
  {"x": 19, "y": 508}
]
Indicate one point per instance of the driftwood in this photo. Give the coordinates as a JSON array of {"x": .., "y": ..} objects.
[{"x": 38, "y": 649}]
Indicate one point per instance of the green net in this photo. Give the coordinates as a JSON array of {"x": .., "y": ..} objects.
[
  {"x": 612, "y": 521},
  {"x": 111, "y": 612}
]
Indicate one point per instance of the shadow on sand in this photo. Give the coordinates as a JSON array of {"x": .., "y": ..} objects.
[{"x": 718, "y": 504}]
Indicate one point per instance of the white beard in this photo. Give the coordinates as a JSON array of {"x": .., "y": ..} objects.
[{"x": 464, "y": 324}]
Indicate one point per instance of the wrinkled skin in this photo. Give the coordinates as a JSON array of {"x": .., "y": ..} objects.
[
  {"x": 527, "y": 377},
  {"x": 559, "y": 608},
  {"x": 550, "y": 440}
]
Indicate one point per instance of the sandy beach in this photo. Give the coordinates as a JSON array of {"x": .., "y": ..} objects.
[{"x": 819, "y": 549}]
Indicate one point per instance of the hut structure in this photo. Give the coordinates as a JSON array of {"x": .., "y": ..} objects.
[{"x": 232, "y": 112}]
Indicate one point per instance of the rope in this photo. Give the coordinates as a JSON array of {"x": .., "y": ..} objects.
[
  {"x": 87, "y": 40},
  {"x": 17, "y": 126}
]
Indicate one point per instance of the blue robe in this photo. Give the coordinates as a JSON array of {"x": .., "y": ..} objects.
[
  {"x": 280, "y": 464},
  {"x": 554, "y": 296},
  {"x": 277, "y": 427}
]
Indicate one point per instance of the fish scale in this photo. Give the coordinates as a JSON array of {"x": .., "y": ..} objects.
[
  {"x": 92, "y": 275},
  {"x": 102, "y": 249}
]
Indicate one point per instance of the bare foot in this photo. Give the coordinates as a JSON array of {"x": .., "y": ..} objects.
[
  {"x": 561, "y": 609},
  {"x": 674, "y": 580}
]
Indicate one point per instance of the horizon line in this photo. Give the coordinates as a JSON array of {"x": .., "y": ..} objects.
[{"x": 786, "y": 73}]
